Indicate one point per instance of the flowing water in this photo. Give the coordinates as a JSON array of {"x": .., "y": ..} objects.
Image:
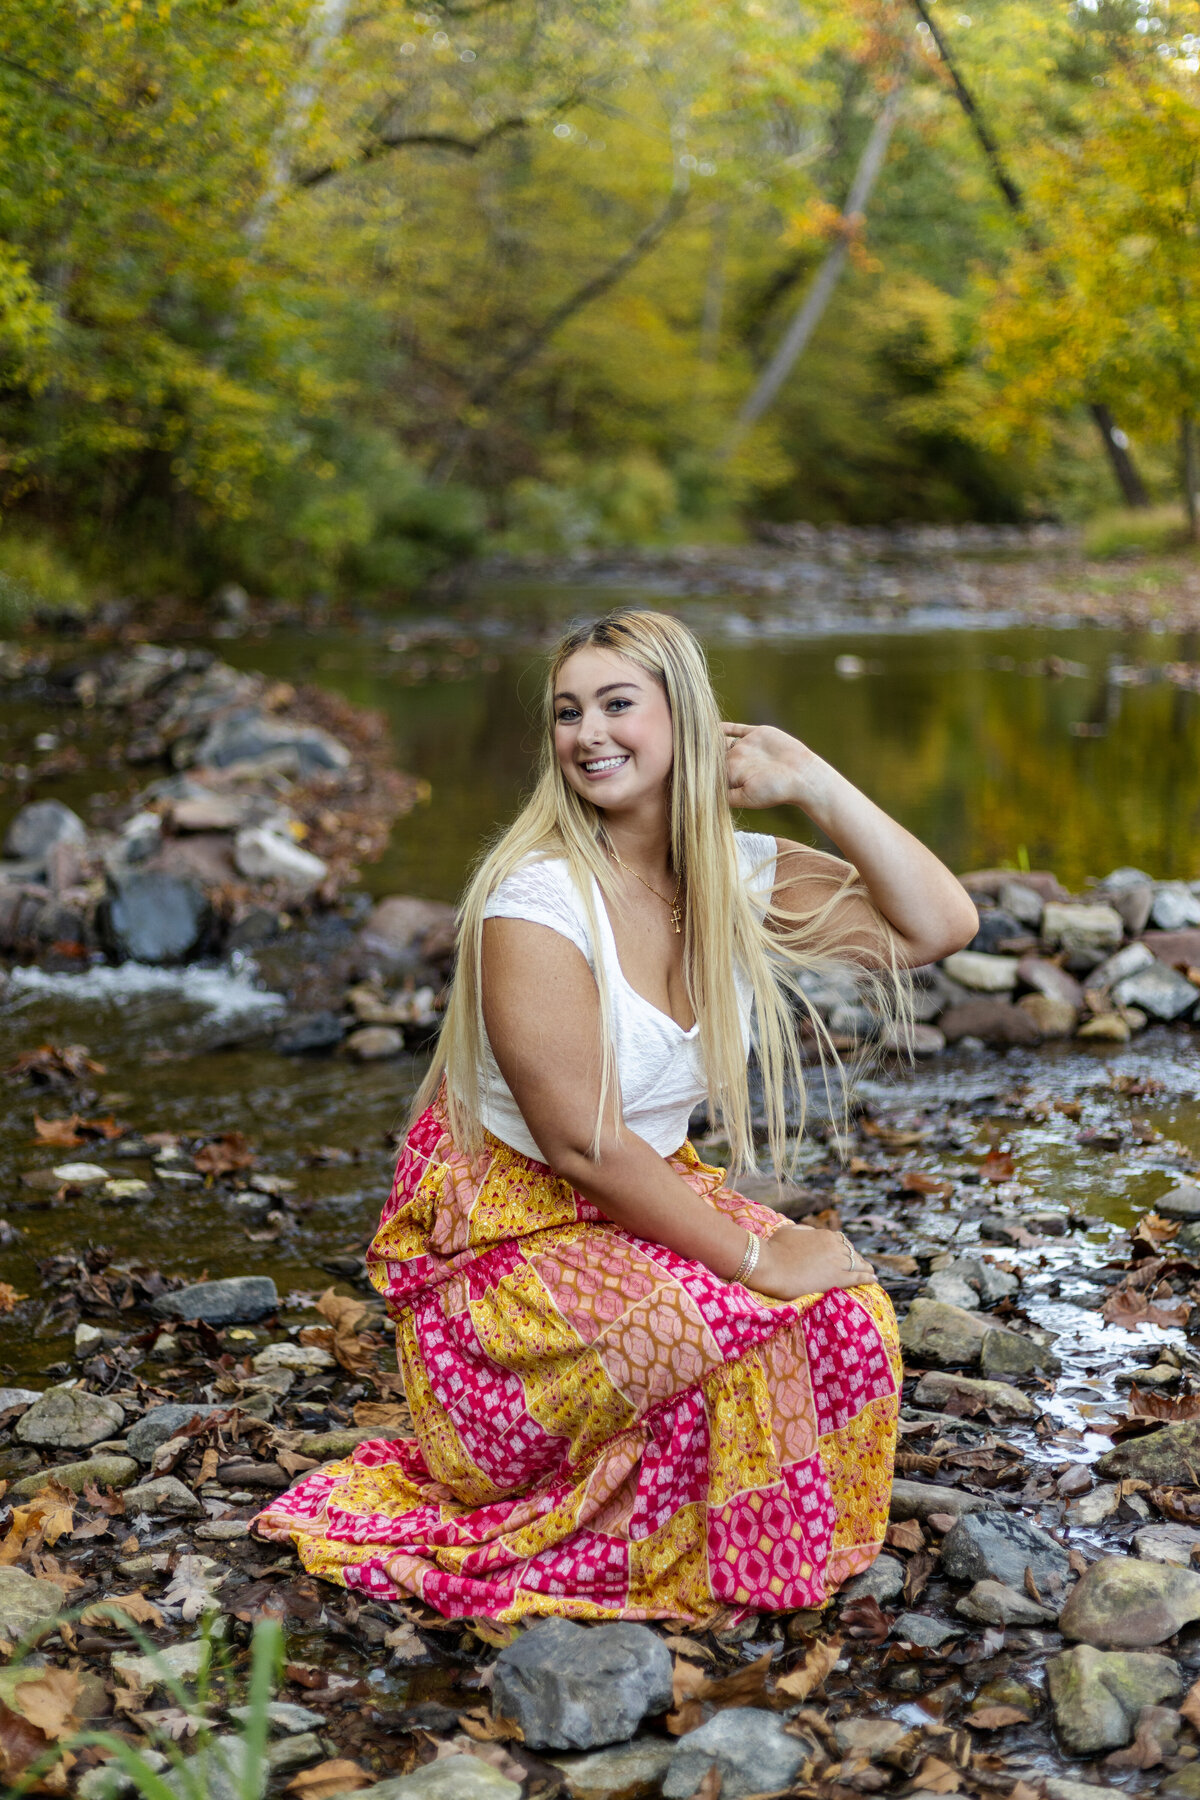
[{"x": 1073, "y": 750}]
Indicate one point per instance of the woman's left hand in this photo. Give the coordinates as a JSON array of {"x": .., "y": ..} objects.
[{"x": 764, "y": 766}]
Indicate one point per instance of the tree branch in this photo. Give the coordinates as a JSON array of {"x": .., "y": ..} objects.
[{"x": 383, "y": 140}]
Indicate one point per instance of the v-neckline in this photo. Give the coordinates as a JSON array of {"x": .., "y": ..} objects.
[{"x": 685, "y": 1031}]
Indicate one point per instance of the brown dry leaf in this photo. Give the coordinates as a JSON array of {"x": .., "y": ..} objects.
[
  {"x": 994, "y": 1718},
  {"x": 292, "y": 1461},
  {"x": 208, "y": 1466},
  {"x": 384, "y": 1413},
  {"x": 1190, "y": 1708},
  {"x": 20, "y": 1742},
  {"x": 42, "y": 1520},
  {"x": 1023, "y": 1791},
  {"x": 1031, "y": 1587},
  {"x": 135, "y": 1606},
  {"x": 937, "y": 1777},
  {"x": 907, "y": 1535},
  {"x": 328, "y": 1778},
  {"x": 1128, "y": 1308},
  {"x": 62, "y": 1133},
  {"x": 480, "y": 1725},
  {"x": 865, "y": 1618},
  {"x": 47, "y": 1700},
  {"x": 808, "y": 1675},
  {"x": 342, "y": 1310},
  {"x": 1149, "y": 1405},
  {"x": 1148, "y": 1748},
  {"x": 934, "y": 1187},
  {"x": 48, "y": 1568},
  {"x": 997, "y": 1166},
  {"x": 916, "y": 1574},
  {"x": 692, "y": 1691},
  {"x": 490, "y": 1631},
  {"x": 9, "y": 1297},
  {"x": 227, "y": 1153}
]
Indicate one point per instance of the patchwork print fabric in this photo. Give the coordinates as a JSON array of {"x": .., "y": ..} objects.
[{"x": 603, "y": 1429}]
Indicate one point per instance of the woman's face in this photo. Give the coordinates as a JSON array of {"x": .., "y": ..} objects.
[{"x": 612, "y": 730}]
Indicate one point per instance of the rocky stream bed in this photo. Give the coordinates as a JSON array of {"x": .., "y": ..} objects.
[{"x": 1027, "y": 1192}]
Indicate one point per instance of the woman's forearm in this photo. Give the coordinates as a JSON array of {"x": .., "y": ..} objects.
[
  {"x": 635, "y": 1188},
  {"x": 913, "y": 889}
]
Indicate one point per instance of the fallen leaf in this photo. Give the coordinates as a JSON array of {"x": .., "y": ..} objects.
[
  {"x": 42, "y": 1520},
  {"x": 1031, "y": 1587},
  {"x": 865, "y": 1618},
  {"x": 293, "y": 1462},
  {"x": 916, "y": 1574},
  {"x": 711, "y": 1783},
  {"x": 1145, "y": 1404},
  {"x": 693, "y": 1691},
  {"x": 937, "y": 1777},
  {"x": 1129, "y": 1308},
  {"x": 47, "y": 1700},
  {"x": 328, "y": 1778},
  {"x": 484, "y": 1728},
  {"x": 385, "y": 1413},
  {"x": 934, "y": 1187},
  {"x": 226, "y": 1154},
  {"x": 342, "y": 1310},
  {"x": 1152, "y": 1744},
  {"x": 134, "y": 1606},
  {"x": 808, "y": 1675},
  {"x": 997, "y": 1166},
  {"x": 994, "y": 1718},
  {"x": 906, "y": 1535},
  {"x": 9, "y": 1297},
  {"x": 48, "y": 1568},
  {"x": 171, "y": 1721}
]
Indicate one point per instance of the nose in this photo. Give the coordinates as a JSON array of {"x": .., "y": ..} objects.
[{"x": 592, "y": 729}]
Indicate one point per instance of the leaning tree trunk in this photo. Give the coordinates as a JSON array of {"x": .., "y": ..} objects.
[{"x": 1190, "y": 474}]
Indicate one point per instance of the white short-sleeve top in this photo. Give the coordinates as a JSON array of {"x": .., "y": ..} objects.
[{"x": 659, "y": 1064}]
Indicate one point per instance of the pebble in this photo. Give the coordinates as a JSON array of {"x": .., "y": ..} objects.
[
  {"x": 1098, "y": 1695},
  {"x": 1105, "y": 1028},
  {"x": 65, "y": 1418},
  {"x": 1054, "y": 1018},
  {"x": 305, "y": 1359},
  {"x": 14, "y": 1396},
  {"x": 995, "y": 1603},
  {"x": 1092, "y": 1509},
  {"x": 106, "y": 1471},
  {"x": 922, "y": 1499},
  {"x": 450, "y": 1778},
  {"x": 982, "y": 973},
  {"x": 1167, "y": 1543},
  {"x": 265, "y": 855},
  {"x": 1071, "y": 926},
  {"x": 619, "y": 1773},
  {"x": 223, "y": 1531},
  {"x": 574, "y": 1689},
  {"x": 27, "y": 1606},
  {"x": 936, "y": 1331},
  {"x": 926, "y": 1632},
  {"x": 375, "y": 1043},
  {"x": 1128, "y": 1603},
  {"x": 37, "y": 827},
  {"x": 80, "y": 1174},
  {"x": 154, "y": 917},
  {"x": 883, "y": 1581},
  {"x": 284, "y": 1715},
  {"x": 239, "y": 1300},
  {"x": 936, "y": 1388},
  {"x": 165, "y": 1494},
  {"x": 750, "y": 1748},
  {"x": 1000, "y": 1546},
  {"x": 160, "y": 1423},
  {"x": 1050, "y": 979}
]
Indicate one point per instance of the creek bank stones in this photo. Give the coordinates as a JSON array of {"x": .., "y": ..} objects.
[
  {"x": 750, "y": 1748},
  {"x": 238, "y": 1300},
  {"x": 569, "y": 1688},
  {"x": 68, "y": 1418},
  {"x": 1099, "y": 1695},
  {"x": 1126, "y": 1603},
  {"x": 1001, "y": 1546},
  {"x": 28, "y": 1606}
]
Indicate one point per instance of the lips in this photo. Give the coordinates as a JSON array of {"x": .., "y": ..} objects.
[{"x": 604, "y": 765}]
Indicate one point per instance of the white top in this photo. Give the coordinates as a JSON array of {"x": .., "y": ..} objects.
[{"x": 659, "y": 1064}]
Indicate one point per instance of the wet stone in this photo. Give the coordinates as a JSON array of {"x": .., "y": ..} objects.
[
  {"x": 1094, "y": 930},
  {"x": 750, "y": 1747},
  {"x": 155, "y": 917},
  {"x": 1175, "y": 907},
  {"x": 1180, "y": 1202},
  {"x": 450, "y": 1778},
  {"x": 922, "y": 1499},
  {"x": 624, "y": 1772},
  {"x": 1127, "y": 1603},
  {"x": 995, "y": 1603},
  {"x": 223, "y": 1770},
  {"x": 1167, "y": 1457},
  {"x": 1053, "y": 1018},
  {"x": 159, "y": 1424},
  {"x": 936, "y": 1390},
  {"x": 991, "y": 1021},
  {"x": 294, "y": 1752},
  {"x": 307, "y": 1034},
  {"x": 304, "y": 1359},
  {"x": 953, "y": 1289},
  {"x": 983, "y": 973},
  {"x": 1183, "y": 1784},
  {"x": 64, "y": 1418},
  {"x": 36, "y": 829},
  {"x": 181, "y": 1661},
  {"x": 1161, "y": 992},
  {"x": 1005, "y": 1352},
  {"x": 375, "y": 1043},
  {"x": 935, "y": 1331},
  {"x": 27, "y": 1606},
  {"x": 570, "y": 1688},
  {"x": 15, "y": 1396},
  {"x": 239, "y": 1300},
  {"x": 1048, "y": 978},
  {"x": 106, "y": 1471},
  {"x": 1000, "y": 1546},
  {"x": 1098, "y": 1695},
  {"x": 165, "y": 1494},
  {"x": 1168, "y": 1542},
  {"x": 883, "y": 1581},
  {"x": 926, "y": 1632}
]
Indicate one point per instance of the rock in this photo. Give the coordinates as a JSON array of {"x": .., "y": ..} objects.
[
  {"x": 163, "y": 1494},
  {"x": 247, "y": 736},
  {"x": 264, "y": 855},
  {"x": 1175, "y": 907},
  {"x": 306, "y": 1034},
  {"x": 1081, "y": 930},
  {"x": 1157, "y": 990},
  {"x": 1092, "y": 1509},
  {"x": 1053, "y": 1018},
  {"x": 1168, "y": 1457},
  {"x": 1181, "y": 1202},
  {"x": 223, "y": 1531},
  {"x": 1000, "y": 1546},
  {"x": 181, "y": 1660},
  {"x": 450, "y": 1778},
  {"x": 222, "y": 1770},
  {"x": 935, "y": 1390},
  {"x": 1134, "y": 907},
  {"x": 1167, "y": 1543},
  {"x": 335, "y": 1446},
  {"x": 1024, "y": 904},
  {"x": 1119, "y": 881},
  {"x": 36, "y": 829},
  {"x": 374, "y": 1043},
  {"x": 1129, "y": 961},
  {"x": 934, "y": 1331},
  {"x": 991, "y": 1021},
  {"x": 995, "y": 1603},
  {"x": 238, "y": 1300},
  {"x": 868, "y": 1737},
  {"x": 997, "y": 930},
  {"x": 402, "y": 933},
  {"x": 1178, "y": 949},
  {"x": 294, "y": 1752},
  {"x": 883, "y": 1581},
  {"x": 923, "y": 1499},
  {"x": 1058, "y": 1787},
  {"x": 305, "y": 1359},
  {"x": 1097, "y": 1697},
  {"x": 28, "y": 1607},
  {"x": 284, "y": 1715},
  {"x": 64, "y": 1418},
  {"x": 981, "y": 973},
  {"x": 108, "y": 1781},
  {"x": 626, "y": 1772},
  {"x": 927, "y": 1633},
  {"x": 922, "y": 1040},
  {"x": 1125, "y": 1603},
  {"x": 161, "y": 1423},
  {"x": 15, "y": 1396},
  {"x": 750, "y": 1747},
  {"x": 953, "y": 1289},
  {"x": 1050, "y": 979},
  {"x": 570, "y": 1688},
  {"x": 155, "y": 917},
  {"x": 1184, "y": 1784},
  {"x": 1005, "y": 1352},
  {"x": 106, "y": 1471},
  {"x": 1105, "y": 1028}
]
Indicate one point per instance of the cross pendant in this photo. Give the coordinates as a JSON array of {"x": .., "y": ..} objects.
[{"x": 676, "y": 917}]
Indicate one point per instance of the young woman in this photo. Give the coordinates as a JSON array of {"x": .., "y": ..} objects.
[{"x": 635, "y": 1393}]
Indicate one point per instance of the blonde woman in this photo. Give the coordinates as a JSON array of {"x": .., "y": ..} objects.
[{"x": 635, "y": 1393}]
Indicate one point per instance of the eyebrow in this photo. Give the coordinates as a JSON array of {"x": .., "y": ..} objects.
[{"x": 600, "y": 692}]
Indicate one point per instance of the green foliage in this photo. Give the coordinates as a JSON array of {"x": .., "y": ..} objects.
[
  {"x": 35, "y": 576},
  {"x": 1148, "y": 531}
]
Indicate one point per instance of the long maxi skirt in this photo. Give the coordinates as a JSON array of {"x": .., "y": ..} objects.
[{"x": 603, "y": 1428}]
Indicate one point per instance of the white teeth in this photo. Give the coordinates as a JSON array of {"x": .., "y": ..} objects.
[{"x": 605, "y": 762}]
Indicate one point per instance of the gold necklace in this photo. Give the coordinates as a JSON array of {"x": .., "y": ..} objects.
[{"x": 673, "y": 902}]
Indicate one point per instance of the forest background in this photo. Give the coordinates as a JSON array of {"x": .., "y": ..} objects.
[{"x": 327, "y": 296}]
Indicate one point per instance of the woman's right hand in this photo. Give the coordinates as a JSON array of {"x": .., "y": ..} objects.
[{"x": 801, "y": 1259}]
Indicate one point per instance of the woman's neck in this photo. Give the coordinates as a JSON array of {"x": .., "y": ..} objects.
[{"x": 642, "y": 840}]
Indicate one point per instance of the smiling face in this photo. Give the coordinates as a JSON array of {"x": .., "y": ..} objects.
[{"x": 612, "y": 730}]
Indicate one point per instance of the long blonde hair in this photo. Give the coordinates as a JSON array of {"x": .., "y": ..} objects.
[{"x": 721, "y": 924}]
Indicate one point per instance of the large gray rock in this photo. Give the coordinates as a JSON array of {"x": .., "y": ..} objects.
[
  {"x": 573, "y": 1688},
  {"x": 883, "y": 1581},
  {"x": 265, "y": 855},
  {"x": 36, "y": 829},
  {"x": 154, "y": 917},
  {"x": 1023, "y": 903},
  {"x": 27, "y": 1607},
  {"x": 1168, "y": 1457},
  {"x": 1167, "y": 1543},
  {"x": 935, "y": 1331},
  {"x": 1005, "y": 1352},
  {"x": 223, "y": 1770},
  {"x": 66, "y": 1418},
  {"x": 1050, "y": 979},
  {"x": 451, "y": 1778},
  {"x": 159, "y": 1424},
  {"x": 981, "y": 973},
  {"x": 994, "y": 1603},
  {"x": 249, "y": 736},
  {"x": 922, "y": 1499},
  {"x": 1000, "y": 1546},
  {"x": 106, "y": 1471},
  {"x": 621, "y": 1773},
  {"x": 1180, "y": 1202},
  {"x": 163, "y": 1494},
  {"x": 238, "y": 1300},
  {"x": 937, "y": 1389},
  {"x": 1175, "y": 907},
  {"x": 404, "y": 933},
  {"x": 1123, "y": 1603},
  {"x": 1158, "y": 990},
  {"x": 750, "y": 1747},
  {"x": 1097, "y": 1696},
  {"x": 1079, "y": 929},
  {"x": 952, "y": 1289},
  {"x": 1129, "y": 961}
]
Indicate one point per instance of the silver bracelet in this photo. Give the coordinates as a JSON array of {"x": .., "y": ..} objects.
[{"x": 749, "y": 1261}]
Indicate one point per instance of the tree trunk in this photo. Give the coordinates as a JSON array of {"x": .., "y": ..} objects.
[
  {"x": 1191, "y": 475},
  {"x": 1116, "y": 444},
  {"x": 809, "y": 314},
  {"x": 326, "y": 23}
]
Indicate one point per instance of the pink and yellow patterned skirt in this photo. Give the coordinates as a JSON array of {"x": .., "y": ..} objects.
[{"x": 603, "y": 1429}]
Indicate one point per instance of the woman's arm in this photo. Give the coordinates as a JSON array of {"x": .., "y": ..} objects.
[
  {"x": 927, "y": 907},
  {"x": 542, "y": 1013}
]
